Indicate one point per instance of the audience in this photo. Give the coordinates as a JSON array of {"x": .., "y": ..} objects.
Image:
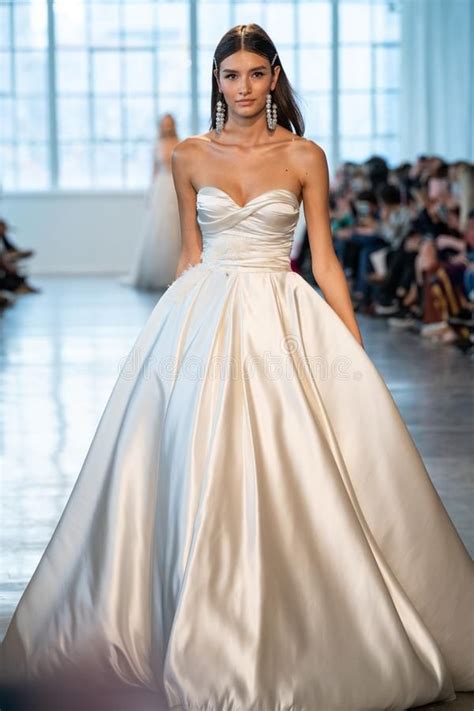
[
  {"x": 405, "y": 238},
  {"x": 12, "y": 281}
]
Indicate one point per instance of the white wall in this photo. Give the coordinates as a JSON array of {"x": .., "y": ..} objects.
[{"x": 76, "y": 232}]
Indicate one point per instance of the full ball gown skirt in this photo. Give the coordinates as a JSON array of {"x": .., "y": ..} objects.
[
  {"x": 157, "y": 255},
  {"x": 253, "y": 528}
]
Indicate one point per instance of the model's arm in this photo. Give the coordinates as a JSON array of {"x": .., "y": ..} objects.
[
  {"x": 327, "y": 270},
  {"x": 182, "y": 157}
]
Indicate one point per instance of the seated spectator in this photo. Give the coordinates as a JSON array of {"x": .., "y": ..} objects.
[
  {"x": 434, "y": 295},
  {"x": 366, "y": 236},
  {"x": 447, "y": 307},
  {"x": 395, "y": 218},
  {"x": 12, "y": 281},
  {"x": 399, "y": 289},
  {"x": 343, "y": 219},
  {"x": 7, "y": 245},
  {"x": 377, "y": 171},
  {"x": 394, "y": 292}
]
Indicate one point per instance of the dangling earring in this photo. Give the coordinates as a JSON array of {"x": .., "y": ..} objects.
[
  {"x": 271, "y": 113},
  {"x": 220, "y": 114}
]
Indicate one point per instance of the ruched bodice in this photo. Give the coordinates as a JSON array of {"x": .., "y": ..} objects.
[{"x": 256, "y": 236}]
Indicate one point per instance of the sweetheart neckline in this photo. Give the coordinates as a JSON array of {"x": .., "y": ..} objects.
[{"x": 241, "y": 207}]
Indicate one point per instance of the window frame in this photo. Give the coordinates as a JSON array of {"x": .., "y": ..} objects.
[{"x": 54, "y": 145}]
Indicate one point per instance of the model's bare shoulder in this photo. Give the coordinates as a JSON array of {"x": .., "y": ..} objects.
[
  {"x": 191, "y": 147},
  {"x": 310, "y": 160},
  {"x": 185, "y": 148},
  {"x": 309, "y": 150},
  {"x": 185, "y": 155}
]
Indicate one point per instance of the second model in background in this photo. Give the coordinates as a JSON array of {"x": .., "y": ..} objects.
[{"x": 156, "y": 258}]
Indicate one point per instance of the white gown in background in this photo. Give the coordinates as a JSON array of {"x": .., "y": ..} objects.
[
  {"x": 253, "y": 528},
  {"x": 156, "y": 258}
]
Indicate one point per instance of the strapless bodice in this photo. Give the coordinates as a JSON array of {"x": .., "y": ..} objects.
[{"x": 256, "y": 236}]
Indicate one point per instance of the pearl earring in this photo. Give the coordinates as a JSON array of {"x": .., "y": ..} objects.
[
  {"x": 271, "y": 113},
  {"x": 220, "y": 114}
]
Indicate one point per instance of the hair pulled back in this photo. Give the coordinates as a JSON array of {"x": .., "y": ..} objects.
[{"x": 253, "y": 38}]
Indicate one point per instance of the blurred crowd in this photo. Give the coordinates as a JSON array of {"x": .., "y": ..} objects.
[
  {"x": 13, "y": 280},
  {"x": 405, "y": 238}
]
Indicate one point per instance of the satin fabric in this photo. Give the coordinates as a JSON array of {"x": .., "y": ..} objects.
[{"x": 253, "y": 527}]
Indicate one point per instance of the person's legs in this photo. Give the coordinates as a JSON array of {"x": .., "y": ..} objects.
[
  {"x": 367, "y": 244},
  {"x": 365, "y": 267},
  {"x": 390, "y": 258},
  {"x": 408, "y": 276},
  {"x": 387, "y": 289}
]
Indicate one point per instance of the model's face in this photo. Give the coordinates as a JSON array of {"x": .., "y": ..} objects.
[{"x": 245, "y": 79}]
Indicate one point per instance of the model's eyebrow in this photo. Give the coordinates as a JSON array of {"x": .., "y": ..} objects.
[{"x": 254, "y": 69}]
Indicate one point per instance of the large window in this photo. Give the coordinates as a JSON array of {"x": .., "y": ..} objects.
[
  {"x": 82, "y": 82},
  {"x": 118, "y": 65},
  {"x": 24, "y": 95},
  {"x": 368, "y": 57}
]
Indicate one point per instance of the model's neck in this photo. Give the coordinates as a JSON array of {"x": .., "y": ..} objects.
[{"x": 246, "y": 132}]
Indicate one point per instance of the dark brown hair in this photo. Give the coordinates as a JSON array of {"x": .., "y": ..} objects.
[{"x": 253, "y": 38}]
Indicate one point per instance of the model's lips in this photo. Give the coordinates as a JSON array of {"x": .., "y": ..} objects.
[{"x": 246, "y": 101}]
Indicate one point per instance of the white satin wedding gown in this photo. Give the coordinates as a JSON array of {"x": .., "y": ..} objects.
[{"x": 253, "y": 528}]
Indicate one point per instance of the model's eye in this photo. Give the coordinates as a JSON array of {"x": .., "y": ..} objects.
[
  {"x": 230, "y": 76},
  {"x": 258, "y": 74}
]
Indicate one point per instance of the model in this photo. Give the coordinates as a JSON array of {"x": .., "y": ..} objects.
[{"x": 156, "y": 259}]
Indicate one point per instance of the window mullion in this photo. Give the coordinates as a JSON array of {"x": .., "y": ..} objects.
[
  {"x": 91, "y": 143},
  {"x": 52, "y": 98},
  {"x": 373, "y": 90},
  {"x": 124, "y": 54},
  {"x": 335, "y": 137},
  {"x": 14, "y": 95},
  {"x": 296, "y": 54},
  {"x": 193, "y": 42}
]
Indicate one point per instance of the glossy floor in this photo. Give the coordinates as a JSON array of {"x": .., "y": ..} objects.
[{"x": 60, "y": 354}]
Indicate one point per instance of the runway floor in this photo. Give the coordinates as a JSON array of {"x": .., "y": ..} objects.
[{"x": 60, "y": 354}]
